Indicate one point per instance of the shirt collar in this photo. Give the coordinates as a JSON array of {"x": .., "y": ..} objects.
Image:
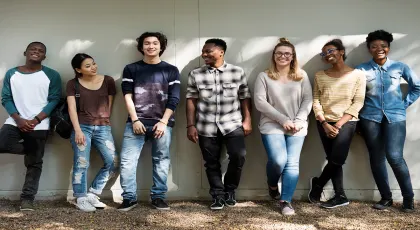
[
  {"x": 222, "y": 68},
  {"x": 384, "y": 67}
]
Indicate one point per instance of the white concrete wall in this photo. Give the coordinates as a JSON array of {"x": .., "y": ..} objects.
[{"x": 106, "y": 30}]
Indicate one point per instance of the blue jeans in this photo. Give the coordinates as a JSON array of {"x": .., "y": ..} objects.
[
  {"x": 130, "y": 153},
  {"x": 385, "y": 141},
  {"x": 283, "y": 152},
  {"x": 101, "y": 138}
]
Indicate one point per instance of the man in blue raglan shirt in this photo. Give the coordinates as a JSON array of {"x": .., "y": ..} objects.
[
  {"x": 151, "y": 90},
  {"x": 30, "y": 93}
]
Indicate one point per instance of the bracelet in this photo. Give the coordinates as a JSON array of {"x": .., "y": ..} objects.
[
  {"x": 323, "y": 122},
  {"x": 189, "y": 126},
  {"x": 37, "y": 118},
  {"x": 165, "y": 123},
  {"x": 136, "y": 121}
]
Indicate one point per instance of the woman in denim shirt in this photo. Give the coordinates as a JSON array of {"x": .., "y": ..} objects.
[
  {"x": 91, "y": 123},
  {"x": 383, "y": 117}
]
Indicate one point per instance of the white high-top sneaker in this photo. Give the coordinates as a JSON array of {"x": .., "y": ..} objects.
[
  {"x": 94, "y": 201},
  {"x": 84, "y": 205}
]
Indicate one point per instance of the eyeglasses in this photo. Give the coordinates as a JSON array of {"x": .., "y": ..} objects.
[
  {"x": 329, "y": 51},
  {"x": 280, "y": 54}
]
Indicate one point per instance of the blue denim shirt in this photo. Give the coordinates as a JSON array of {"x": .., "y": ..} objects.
[{"x": 383, "y": 92}]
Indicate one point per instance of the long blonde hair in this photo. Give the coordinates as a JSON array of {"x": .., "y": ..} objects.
[{"x": 294, "y": 73}]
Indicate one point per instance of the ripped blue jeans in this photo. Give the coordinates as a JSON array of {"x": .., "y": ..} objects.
[{"x": 101, "y": 138}]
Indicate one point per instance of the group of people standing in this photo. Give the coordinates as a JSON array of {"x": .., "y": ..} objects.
[{"x": 218, "y": 113}]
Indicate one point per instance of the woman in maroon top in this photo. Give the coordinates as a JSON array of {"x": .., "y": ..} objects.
[{"x": 91, "y": 127}]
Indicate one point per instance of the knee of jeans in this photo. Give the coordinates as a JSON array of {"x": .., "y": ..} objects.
[
  {"x": 9, "y": 148},
  {"x": 111, "y": 161},
  {"x": 213, "y": 164},
  {"x": 161, "y": 157},
  {"x": 238, "y": 157},
  {"x": 81, "y": 163},
  {"x": 128, "y": 166},
  {"x": 276, "y": 163},
  {"x": 290, "y": 165},
  {"x": 395, "y": 159},
  {"x": 110, "y": 145},
  {"x": 3, "y": 146},
  {"x": 276, "y": 167},
  {"x": 108, "y": 163},
  {"x": 116, "y": 161}
]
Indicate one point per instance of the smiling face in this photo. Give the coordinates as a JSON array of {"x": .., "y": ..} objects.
[
  {"x": 379, "y": 49},
  {"x": 331, "y": 55},
  {"x": 88, "y": 67},
  {"x": 283, "y": 56},
  {"x": 151, "y": 46},
  {"x": 211, "y": 54},
  {"x": 35, "y": 53}
]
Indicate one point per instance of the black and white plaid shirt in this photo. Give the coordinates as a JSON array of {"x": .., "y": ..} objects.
[{"x": 219, "y": 91}]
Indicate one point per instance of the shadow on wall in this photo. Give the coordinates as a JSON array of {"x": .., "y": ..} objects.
[{"x": 312, "y": 158}]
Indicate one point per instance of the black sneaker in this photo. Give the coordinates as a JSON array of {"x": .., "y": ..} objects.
[
  {"x": 127, "y": 205},
  {"x": 160, "y": 204},
  {"x": 382, "y": 204},
  {"x": 230, "y": 199},
  {"x": 408, "y": 205},
  {"x": 315, "y": 191},
  {"x": 27, "y": 205},
  {"x": 274, "y": 193},
  {"x": 336, "y": 201},
  {"x": 218, "y": 203}
]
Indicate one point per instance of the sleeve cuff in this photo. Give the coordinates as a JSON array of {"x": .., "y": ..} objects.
[
  {"x": 192, "y": 95},
  {"x": 11, "y": 109},
  {"x": 245, "y": 96},
  {"x": 353, "y": 113},
  {"x": 171, "y": 107}
]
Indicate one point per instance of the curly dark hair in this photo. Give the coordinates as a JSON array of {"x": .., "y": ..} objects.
[
  {"x": 339, "y": 45},
  {"x": 379, "y": 35},
  {"x": 160, "y": 36}
]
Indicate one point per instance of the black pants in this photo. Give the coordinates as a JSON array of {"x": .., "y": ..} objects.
[
  {"x": 211, "y": 150},
  {"x": 33, "y": 147},
  {"x": 336, "y": 150}
]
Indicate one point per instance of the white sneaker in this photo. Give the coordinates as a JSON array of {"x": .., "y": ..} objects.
[
  {"x": 84, "y": 205},
  {"x": 94, "y": 201}
]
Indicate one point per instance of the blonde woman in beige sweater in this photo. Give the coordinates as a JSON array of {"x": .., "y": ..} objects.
[
  {"x": 339, "y": 94},
  {"x": 283, "y": 95}
]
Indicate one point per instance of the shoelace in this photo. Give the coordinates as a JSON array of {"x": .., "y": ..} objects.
[
  {"x": 216, "y": 201},
  {"x": 94, "y": 196},
  {"x": 85, "y": 202},
  {"x": 232, "y": 197}
]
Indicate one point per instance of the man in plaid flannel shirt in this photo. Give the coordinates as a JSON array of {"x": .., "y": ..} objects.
[{"x": 219, "y": 111}]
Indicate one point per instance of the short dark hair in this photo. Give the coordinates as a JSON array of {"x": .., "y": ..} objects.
[
  {"x": 217, "y": 42},
  {"x": 160, "y": 36},
  {"x": 76, "y": 62},
  {"x": 338, "y": 44},
  {"x": 379, "y": 35},
  {"x": 37, "y": 43}
]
